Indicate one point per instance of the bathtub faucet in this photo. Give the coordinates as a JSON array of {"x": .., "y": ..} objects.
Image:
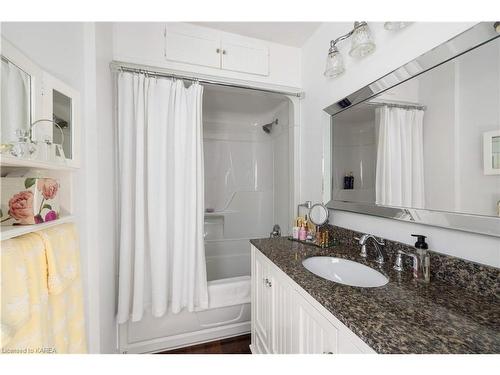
[{"x": 276, "y": 231}]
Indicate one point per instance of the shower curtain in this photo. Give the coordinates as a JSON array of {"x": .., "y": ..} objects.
[
  {"x": 160, "y": 161},
  {"x": 400, "y": 157},
  {"x": 16, "y": 106}
]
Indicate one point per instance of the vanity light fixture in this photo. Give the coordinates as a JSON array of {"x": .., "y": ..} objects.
[{"x": 361, "y": 45}]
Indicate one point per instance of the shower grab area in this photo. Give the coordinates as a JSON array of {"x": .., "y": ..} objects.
[{"x": 248, "y": 154}]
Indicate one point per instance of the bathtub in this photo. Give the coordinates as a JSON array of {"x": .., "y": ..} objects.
[{"x": 228, "y": 277}]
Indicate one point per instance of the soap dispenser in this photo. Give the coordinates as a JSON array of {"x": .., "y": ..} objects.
[
  {"x": 423, "y": 269},
  {"x": 420, "y": 244}
]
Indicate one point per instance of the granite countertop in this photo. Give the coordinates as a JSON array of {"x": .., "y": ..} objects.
[{"x": 403, "y": 316}]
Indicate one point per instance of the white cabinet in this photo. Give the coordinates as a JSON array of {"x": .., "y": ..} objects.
[
  {"x": 261, "y": 291},
  {"x": 211, "y": 48},
  {"x": 244, "y": 57},
  {"x": 192, "y": 45},
  {"x": 286, "y": 320},
  {"x": 316, "y": 335}
]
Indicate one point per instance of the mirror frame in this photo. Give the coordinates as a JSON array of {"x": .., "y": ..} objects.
[
  {"x": 51, "y": 83},
  {"x": 474, "y": 37}
]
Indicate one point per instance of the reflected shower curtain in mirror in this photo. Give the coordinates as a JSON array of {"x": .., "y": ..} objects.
[
  {"x": 16, "y": 105},
  {"x": 160, "y": 161},
  {"x": 400, "y": 157}
]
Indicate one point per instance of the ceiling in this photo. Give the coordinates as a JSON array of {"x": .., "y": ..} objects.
[{"x": 289, "y": 33}]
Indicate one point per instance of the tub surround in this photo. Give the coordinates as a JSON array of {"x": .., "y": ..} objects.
[{"x": 457, "y": 312}]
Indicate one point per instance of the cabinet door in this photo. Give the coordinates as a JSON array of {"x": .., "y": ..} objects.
[
  {"x": 191, "y": 45},
  {"x": 315, "y": 334},
  {"x": 241, "y": 57},
  {"x": 261, "y": 305},
  {"x": 282, "y": 305}
]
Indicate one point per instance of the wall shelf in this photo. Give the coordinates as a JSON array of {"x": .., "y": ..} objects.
[
  {"x": 8, "y": 232},
  {"x": 10, "y": 161}
]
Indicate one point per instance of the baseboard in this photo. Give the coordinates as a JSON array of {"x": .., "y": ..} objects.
[{"x": 188, "y": 339}]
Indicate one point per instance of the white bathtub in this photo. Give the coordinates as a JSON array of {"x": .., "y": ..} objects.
[{"x": 228, "y": 275}]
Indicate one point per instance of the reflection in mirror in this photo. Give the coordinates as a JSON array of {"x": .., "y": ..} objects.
[
  {"x": 16, "y": 101},
  {"x": 62, "y": 115},
  {"x": 419, "y": 145}
]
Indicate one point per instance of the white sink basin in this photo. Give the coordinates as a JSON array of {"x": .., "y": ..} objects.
[{"x": 345, "y": 271}]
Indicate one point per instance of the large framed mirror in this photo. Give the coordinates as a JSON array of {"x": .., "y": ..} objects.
[{"x": 411, "y": 146}]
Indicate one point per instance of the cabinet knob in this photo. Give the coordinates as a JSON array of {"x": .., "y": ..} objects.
[
  {"x": 217, "y": 50},
  {"x": 223, "y": 51}
]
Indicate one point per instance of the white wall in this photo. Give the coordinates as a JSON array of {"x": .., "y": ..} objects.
[
  {"x": 393, "y": 50},
  {"x": 107, "y": 230}
]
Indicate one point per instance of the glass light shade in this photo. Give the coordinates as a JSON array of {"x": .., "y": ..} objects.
[
  {"x": 394, "y": 26},
  {"x": 334, "y": 64},
  {"x": 362, "y": 42}
]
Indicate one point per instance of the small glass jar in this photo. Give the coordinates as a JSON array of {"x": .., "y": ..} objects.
[{"x": 23, "y": 148}]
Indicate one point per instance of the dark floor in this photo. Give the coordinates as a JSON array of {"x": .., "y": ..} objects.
[{"x": 233, "y": 345}]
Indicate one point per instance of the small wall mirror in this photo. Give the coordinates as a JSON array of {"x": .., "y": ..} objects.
[
  {"x": 61, "y": 105},
  {"x": 62, "y": 116},
  {"x": 16, "y": 101},
  {"x": 318, "y": 214}
]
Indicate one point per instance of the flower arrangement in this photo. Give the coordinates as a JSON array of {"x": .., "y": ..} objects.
[{"x": 36, "y": 203}]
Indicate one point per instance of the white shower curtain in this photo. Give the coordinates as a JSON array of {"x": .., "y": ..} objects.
[
  {"x": 400, "y": 157},
  {"x": 16, "y": 106},
  {"x": 162, "y": 256}
]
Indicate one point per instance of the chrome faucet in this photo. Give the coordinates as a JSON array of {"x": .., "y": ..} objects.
[
  {"x": 276, "y": 231},
  {"x": 421, "y": 264},
  {"x": 379, "y": 244}
]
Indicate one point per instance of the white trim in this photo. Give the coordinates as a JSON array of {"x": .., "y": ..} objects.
[
  {"x": 8, "y": 232},
  {"x": 183, "y": 339},
  {"x": 51, "y": 83}
]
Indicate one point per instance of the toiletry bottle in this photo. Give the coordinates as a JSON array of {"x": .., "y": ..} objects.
[
  {"x": 346, "y": 182},
  {"x": 318, "y": 236},
  {"x": 295, "y": 230},
  {"x": 351, "y": 181},
  {"x": 302, "y": 232}
]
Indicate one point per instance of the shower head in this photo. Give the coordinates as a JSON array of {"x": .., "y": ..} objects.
[{"x": 267, "y": 127}]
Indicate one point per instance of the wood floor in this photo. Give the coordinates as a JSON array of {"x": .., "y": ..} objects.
[{"x": 233, "y": 345}]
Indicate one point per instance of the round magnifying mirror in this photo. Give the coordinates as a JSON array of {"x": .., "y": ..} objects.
[{"x": 318, "y": 214}]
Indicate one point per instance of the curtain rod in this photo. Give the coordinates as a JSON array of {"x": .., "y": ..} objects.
[
  {"x": 398, "y": 105},
  {"x": 122, "y": 68}
]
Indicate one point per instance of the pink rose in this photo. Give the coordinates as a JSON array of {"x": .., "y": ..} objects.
[
  {"x": 21, "y": 207},
  {"x": 48, "y": 187}
]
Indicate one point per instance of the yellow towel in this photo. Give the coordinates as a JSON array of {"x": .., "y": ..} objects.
[
  {"x": 65, "y": 289},
  {"x": 55, "y": 321},
  {"x": 25, "y": 311}
]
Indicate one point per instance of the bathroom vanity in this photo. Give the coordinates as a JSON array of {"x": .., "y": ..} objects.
[{"x": 295, "y": 311}]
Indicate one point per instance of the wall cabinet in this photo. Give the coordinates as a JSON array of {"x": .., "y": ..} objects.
[
  {"x": 287, "y": 320},
  {"x": 202, "y": 46}
]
